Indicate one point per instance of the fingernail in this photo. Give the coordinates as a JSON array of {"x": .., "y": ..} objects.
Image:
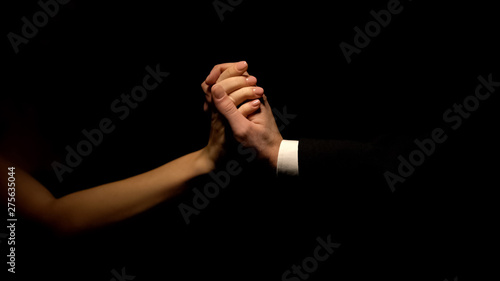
[
  {"x": 241, "y": 65},
  {"x": 255, "y": 102},
  {"x": 251, "y": 80},
  {"x": 258, "y": 91}
]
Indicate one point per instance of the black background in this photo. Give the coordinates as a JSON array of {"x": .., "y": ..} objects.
[{"x": 437, "y": 225}]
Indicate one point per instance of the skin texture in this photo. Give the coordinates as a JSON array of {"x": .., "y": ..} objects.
[
  {"x": 112, "y": 202},
  {"x": 257, "y": 130}
]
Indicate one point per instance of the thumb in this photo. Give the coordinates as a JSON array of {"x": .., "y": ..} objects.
[
  {"x": 226, "y": 107},
  {"x": 218, "y": 92}
]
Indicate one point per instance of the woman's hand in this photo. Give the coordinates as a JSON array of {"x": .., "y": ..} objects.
[
  {"x": 240, "y": 87},
  {"x": 115, "y": 201}
]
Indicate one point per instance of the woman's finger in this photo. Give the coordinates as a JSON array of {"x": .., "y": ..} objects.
[
  {"x": 237, "y": 69},
  {"x": 249, "y": 107},
  {"x": 246, "y": 93},
  {"x": 235, "y": 83}
]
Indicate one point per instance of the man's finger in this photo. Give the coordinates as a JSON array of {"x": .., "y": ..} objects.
[{"x": 226, "y": 107}]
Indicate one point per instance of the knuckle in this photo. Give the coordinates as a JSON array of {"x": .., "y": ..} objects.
[
  {"x": 204, "y": 87},
  {"x": 226, "y": 106}
]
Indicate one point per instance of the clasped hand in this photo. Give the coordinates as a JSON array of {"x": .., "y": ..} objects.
[{"x": 232, "y": 94}]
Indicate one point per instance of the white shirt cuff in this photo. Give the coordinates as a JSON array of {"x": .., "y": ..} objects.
[{"x": 288, "y": 158}]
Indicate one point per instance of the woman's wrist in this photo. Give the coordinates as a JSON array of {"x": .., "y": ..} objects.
[{"x": 204, "y": 161}]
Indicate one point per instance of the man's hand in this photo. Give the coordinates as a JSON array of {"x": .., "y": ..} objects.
[
  {"x": 234, "y": 79},
  {"x": 219, "y": 73},
  {"x": 257, "y": 130}
]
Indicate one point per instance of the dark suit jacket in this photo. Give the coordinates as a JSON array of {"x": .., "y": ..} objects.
[{"x": 344, "y": 158}]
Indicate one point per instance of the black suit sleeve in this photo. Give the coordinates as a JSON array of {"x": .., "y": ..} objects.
[{"x": 344, "y": 158}]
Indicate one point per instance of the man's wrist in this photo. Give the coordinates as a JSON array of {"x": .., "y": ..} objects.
[{"x": 274, "y": 152}]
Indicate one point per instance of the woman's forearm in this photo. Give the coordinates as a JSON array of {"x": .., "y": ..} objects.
[{"x": 112, "y": 202}]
